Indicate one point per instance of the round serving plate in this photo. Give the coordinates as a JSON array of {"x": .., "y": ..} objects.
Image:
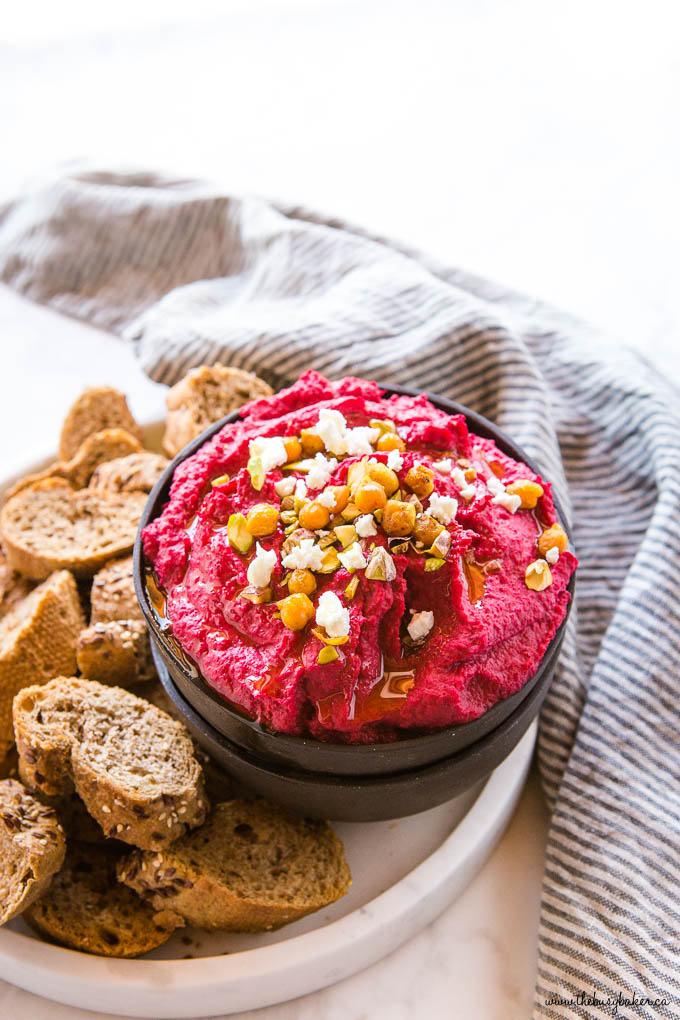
[{"x": 404, "y": 874}]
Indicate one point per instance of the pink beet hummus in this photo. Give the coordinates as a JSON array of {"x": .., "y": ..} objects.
[{"x": 453, "y": 631}]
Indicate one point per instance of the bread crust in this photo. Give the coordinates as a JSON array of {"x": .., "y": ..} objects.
[
  {"x": 192, "y": 877},
  {"x": 37, "y": 639},
  {"x": 48, "y": 526},
  {"x": 86, "y": 909},
  {"x": 32, "y": 847},
  {"x": 104, "y": 743},
  {"x": 203, "y": 396},
  {"x": 97, "y": 408}
]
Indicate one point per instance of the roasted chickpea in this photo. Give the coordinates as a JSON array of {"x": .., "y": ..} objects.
[
  {"x": 296, "y": 611},
  {"x": 384, "y": 476},
  {"x": 426, "y": 529},
  {"x": 301, "y": 582},
  {"x": 340, "y": 495},
  {"x": 262, "y": 519},
  {"x": 529, "y": 492},
  {"x": 310, "y": 442},
  {"x": 369, "y": 496},
  {"x": 420, "y": 480},
  {"x": 555, "y": 535},
  {"x": 314, "y": 516},
  {"x": 293, "y": 447},
  {"x": 398, "y": 518},
  {"x": 390, "y": 441}
]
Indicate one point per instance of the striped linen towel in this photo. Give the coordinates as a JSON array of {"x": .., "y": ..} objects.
[{"x": 190, "y": 275}]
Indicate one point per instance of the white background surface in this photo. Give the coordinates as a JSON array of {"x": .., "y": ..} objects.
[{"x": 530, "y": 141}]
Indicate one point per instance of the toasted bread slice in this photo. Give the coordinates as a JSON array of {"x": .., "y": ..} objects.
[
  {"x": 251, "y": 867},
  {"x": 113, "y": 595},
  {"x": 100, "y": 407},
  {"x": 96, "y": 450},
  {"x": 86, "y": 909},
  {"x": 48, "y": 526},
  {"x": 37, "y": 640},
  {"x": 117, "y": 653},
  {"x": 137, "y": 472},
  {"x": 32, "y": 847},
  {"x": 204, "y": 396},
  {"x": 132, "y": 765},
  {"x": 13, "y": 587}
]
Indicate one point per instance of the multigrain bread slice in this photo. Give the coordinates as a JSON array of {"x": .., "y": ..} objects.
[
  {"x": 95, "y": 451},
  {"x": 85, "y": 908},
  {"x": 113, "y": 595},
  {"x": 251, "y": 867},
  {"x": 204, "y": 396},
  {"x": 132, "y": 765},
  {"x": 32, "y": 847},
  {"x": 37, "y": 640},
  {"x": 78, "y": 823},
  {"x": 117, "y": 652},
  {"x": 48, "y": 526},
  {"x": 13, "y": 587},
  {"x": 137, "y": 472},
  {"x": 98, "y": 408}
]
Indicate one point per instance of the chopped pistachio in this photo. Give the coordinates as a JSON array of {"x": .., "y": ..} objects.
[
  {"x": 326, "y": 540},
  {"x": 378, "y": 514},
  {"x": 258, "y": 596},
  {"x": 441, "y": 544},
  {"x": 434, "y": 563},
  {"x": 351, "y": 512},
  {"x": 381, "y": 566},
  {"x": 257, "y": 472},
  {"x": 303, "y": 466},
  {"x": 290, "y": 528},
  {"x": 346, "y": 534},
  {"x": 351, "y": 589},
  {"x": 330, "y": 561},
  {"x": 327, "y": 654},
  {"x": 400, "y": 547},
  {"x": 288, "y": 502},
  {"x": 330, "y": 640},
  {"x": 238, "y": 534},
  {"x": 288, "y": 517},
  {"x": 383, "y": 425},
  {"x": 222, "y": 480}
]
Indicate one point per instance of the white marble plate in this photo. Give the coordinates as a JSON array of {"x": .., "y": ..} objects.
[{"x": 405, "y": 873}]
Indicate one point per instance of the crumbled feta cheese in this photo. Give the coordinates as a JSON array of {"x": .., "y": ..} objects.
[
  {"x": 495, "y": 486},
  {"x": 501, "y": 497},
  {"x": 331, "y": 428},
  {"x": 421, "y": 624},
  {"x": 468, "y": 493},
  {"x": 320, "y": 472},
  {"x": 300, "y": 489},
  {"x": 360, "y": 440},
  {"x": 443, "y": 508},
  {"x": 261, "y": 566},
  {"x": 306, "y": 556},
  {"x": 285, "y": 487},
  {"x": 326, "y": 498},
  {"x": 553, "y": 555},
  {"x": 365, "y": 526},
  {"x": 444, "y": 465},
  {"x": 458, "y": 477},
  {"x": 271, "y": 451},
  {"x": 395, "y": 461},
  {"x": 352, "y": 558},
  {"x": 332, "y": 615}
]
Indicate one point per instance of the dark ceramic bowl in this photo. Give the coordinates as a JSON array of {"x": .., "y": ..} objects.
[{"x": 260, "y": 751}]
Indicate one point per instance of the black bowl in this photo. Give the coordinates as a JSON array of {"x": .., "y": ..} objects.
[
  {"x": 305, "y": 754},
  {"x": 359, "y": 798}
]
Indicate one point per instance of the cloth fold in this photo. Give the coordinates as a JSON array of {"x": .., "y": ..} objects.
[{"x": 190, "y": 275}]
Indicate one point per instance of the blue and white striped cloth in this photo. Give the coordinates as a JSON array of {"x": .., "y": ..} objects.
[{"x": 190, "y": 275}]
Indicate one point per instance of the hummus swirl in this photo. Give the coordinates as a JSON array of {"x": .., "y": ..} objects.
[{"x": 356, "y": 568}]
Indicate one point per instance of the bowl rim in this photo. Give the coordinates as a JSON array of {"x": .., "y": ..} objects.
[{"x": 474, "y": 729}]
